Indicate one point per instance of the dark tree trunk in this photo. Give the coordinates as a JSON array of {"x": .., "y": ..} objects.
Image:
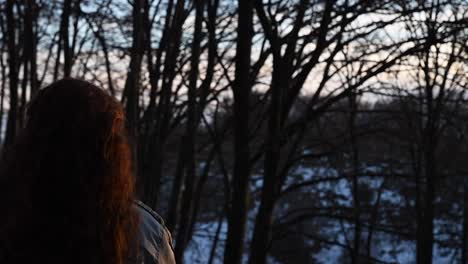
[
  {"x": 197, "y": 195},
  {"x": 174, "y": 201},
  {"x": 163, "y": 111},
  {"x": 29, "y": 58},
  {"x": 12, "y": 74},
  {"x": 216, "y": 239},
  {"x": 241, "y": 175},
  {"x": 262, "y": 232},
  {"x": 64, "y": 32},
  {"x": 149, "y": 163},
  {"x": 356, "y": 248},
  {"x": 464, "y": 250},
  {"x": 63, "y": 42},
  {"x": 429, "y": 142},
  {"x": 105, "y": 50},
  {"x": 204, "y": 91},
  {"x": 3, "y": 78},
  {"x": 30, "y": 21},
  {"x": 132, "y": 83},
  {"x": 426, "y": 238},
  {"x": 283, "y": 69},
  {"x": 183, "y": 231}
]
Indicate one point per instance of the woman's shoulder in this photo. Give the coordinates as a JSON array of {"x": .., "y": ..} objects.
[
  {"x": 156, "y": 241},
  {"x": 148, "y": 211}
]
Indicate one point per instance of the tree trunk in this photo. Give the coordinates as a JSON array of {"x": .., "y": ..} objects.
[
  {"x": 204, "y": 92},
  {"x": 464, "y": 250},
  {"x": 133, "y": 78},
  {"x": 241, "y": 175},
  {"x": 29, "y": 58},
  {"x": 163, "y": 111},
  {"x": 12, "y": 74},
  {"x": 355, "y": 258},
  {"x": 149, "y": 163},
  {"x": 3, "y": 82},
  {"x": 31, "y": 20},
  {"x": 174, "y": 201},
  {"x": 283, "y": 69},
  {"x": 182, "y": 236},
  {"x": 64, "y": 32},
  {"x": 262, "y": 232},
  {"x": 216, "y": 239},
  {"x": 427, "y": 231}
]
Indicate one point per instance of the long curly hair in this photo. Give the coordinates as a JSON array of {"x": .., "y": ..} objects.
[{"x": 66, "y": 185}]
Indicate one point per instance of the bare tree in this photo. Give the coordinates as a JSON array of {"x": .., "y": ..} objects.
[
  {"x": 12, "y": 73},
  {"x": 189, "y": 141},
  {"x": 253, "y": 114},
  {"x": 160, "y": 114},
  {"x": 132, "y": 84},
  {"x": 240, "y": 178}
]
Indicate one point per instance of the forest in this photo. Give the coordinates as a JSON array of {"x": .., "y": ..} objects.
[{"x": 272, "y": 131}]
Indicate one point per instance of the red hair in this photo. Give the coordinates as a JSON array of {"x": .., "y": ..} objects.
[{"x": 67, "y": 182}]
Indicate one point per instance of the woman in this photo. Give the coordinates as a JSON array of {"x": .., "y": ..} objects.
[{"x": 66, "y": 186}]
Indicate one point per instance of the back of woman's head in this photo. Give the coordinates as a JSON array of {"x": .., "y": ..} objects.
[{"x": 68, "y": 182}]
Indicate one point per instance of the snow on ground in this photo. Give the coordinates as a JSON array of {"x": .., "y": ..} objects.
[
  {"x": 199, "y": 248},
  {"x": 329, "y": 255},
  {"x": 385, "y": 247}
]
